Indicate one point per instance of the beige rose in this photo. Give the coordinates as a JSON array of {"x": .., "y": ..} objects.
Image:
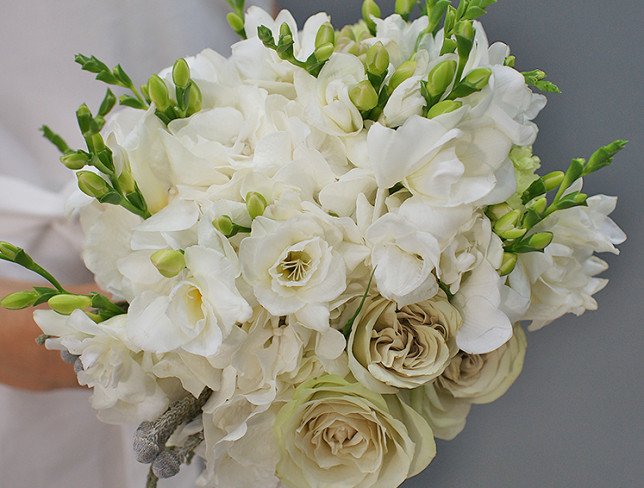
[
  {"x": 445, "y": 414},
  {"x": 336, "y": 434},
  {"x": 483, "y": 378},
  {"x": 391, "y": 348}
]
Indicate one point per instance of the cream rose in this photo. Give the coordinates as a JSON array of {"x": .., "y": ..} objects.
[
  {"x": 391, "y": 347},
  {"x": 483, "y": 378},
  {"x": 336, "y": 434}
]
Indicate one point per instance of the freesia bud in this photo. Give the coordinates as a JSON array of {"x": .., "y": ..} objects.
[
  {"x": 508, "y": 264},
  {"x": 93, "y": 185},
  {"x": 181, "y": 73},
  {"x": 540, "y": 240},
  {"x": 478, "y": 78},
  {"x": 225, "y": 225},
  {"x": 66, "y": 304},
  {"x": 404, "y": 7},
  {"x": 464, "y": 29},
  {"x": 377, "y": 59},
  {"x": 255, "y": 204},
  {"x": 8, "y": 250},
  {"x": 19, "y": 300},
  {"x": 84, "y": 118},
  {"x": 126, "y": 180},
  {"x": 440, "y": 77},
  {"x": 364, "y": 96},
  {"x": 510, "y": 61},
  {"x": 370, "y": 9},
  {"x": 195, "y": 99},
  {"x": 285, "y": 31},
  {"x": 514, "y": 233},
  {"x": 539, "y": 205},
  {"x": 508, "y": 221},
  {"x": 495, "y": 212},
  {"x": 444, "y": 107},
  {"x": 325, "y": 35},
  {"x": 158, "y": 92},
  {"x": 169, "y": 262},
  {"x": 552, "y": 180},
  {"x": 402, "y": 73},
  {"x": 235, "y": 22},
  {"x": 324, "y": 52},
  {"x": 75, "y": 161}
]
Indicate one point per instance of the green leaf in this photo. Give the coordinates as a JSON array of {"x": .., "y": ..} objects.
[{"x": 55, "y": 139}]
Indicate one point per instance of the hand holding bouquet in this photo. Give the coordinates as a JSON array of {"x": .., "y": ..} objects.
[{"x": 317, "y": 253}]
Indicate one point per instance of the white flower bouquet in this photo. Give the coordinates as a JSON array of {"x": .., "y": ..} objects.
[{"x": 317, "y": 254}]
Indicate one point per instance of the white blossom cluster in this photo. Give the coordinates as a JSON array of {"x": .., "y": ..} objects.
[{"x": 340, "y": 285}]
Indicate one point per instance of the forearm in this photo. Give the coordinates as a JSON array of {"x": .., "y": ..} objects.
[{"x": 23, "y": 363}]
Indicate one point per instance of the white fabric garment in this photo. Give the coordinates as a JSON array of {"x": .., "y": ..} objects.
[{"x": 54, "y": 440}]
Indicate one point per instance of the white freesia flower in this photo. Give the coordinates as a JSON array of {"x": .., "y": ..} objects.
[
  {"x": 337, "y": 434},
  {"x": 398, "y": 36},
  {"x": 391, "y": 347},
  {"x": 404, "y": 259},
  {"x": 297, "y": 266},
  {"x": 197, "y": 315},
  {"x": 124, "y": 390},
  {"x": 483, "y": 378},
  {"x": 326, "y": 99},
  {"x": 563, "y": 278}
]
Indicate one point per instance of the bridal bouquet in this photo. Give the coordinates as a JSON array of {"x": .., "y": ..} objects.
[{"x": 316, "y": 255}]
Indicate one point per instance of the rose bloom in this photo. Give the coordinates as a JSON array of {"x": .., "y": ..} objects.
[
  {"x": 391, "y": 347},
  {"x": 336, "y": 434},
  {"x": 483, "y": 378}
]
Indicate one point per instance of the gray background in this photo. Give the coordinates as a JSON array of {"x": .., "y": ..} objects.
[{"x": 574, "y": 417}]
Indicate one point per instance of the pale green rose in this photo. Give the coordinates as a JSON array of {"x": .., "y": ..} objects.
[
  {"x": 483, "y": 378},
  {"x": 445, "y": 414},
  {"x": 391, "y": 347},
  {"x": 337, "y": 434}
]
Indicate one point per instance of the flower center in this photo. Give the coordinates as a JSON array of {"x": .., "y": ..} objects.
[{"x": 294, "y": 266}]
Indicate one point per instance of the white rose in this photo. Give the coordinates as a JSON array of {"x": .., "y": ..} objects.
[
  {"x": 298, "y": 266},
  {"x": 123, "y": 391},
  {"x": 339, "y": 434},
  {"x": 391, "y": 348},
  {"x": 483, "y": 378},
  {"x": 562, "y": 278}
]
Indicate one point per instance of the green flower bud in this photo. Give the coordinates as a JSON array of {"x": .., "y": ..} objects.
[
  {"x": 324, "y": 52},
  {"x": 93, "y": 185},
  {"x": 169, "y": 262},
  {"x": 158, "y": 92},
  {"x": 370, "y": 9},
  {"x": 84, "y": 118},
  {"x": 508, "y": 221},
  {"x": 539, "y": 205},
  {"x": 478, "y": 78},
  {"x": 285, "y": 32},
  {"x": 440, "y": 77},
  {"x": 604, "y": 156},
  {"x": 402, "y": 73},
  {"x": 126, "y": 180},
  {"x": 255, "y": 204},
  {"x": 235, "y": 22},
  {"x": 464, "y": 29},
  {"x": 8, "y": 250},
  {"x": 552, "y": 180},
  {"x": 364, "y": 96},
  {"x": 225, "y": 225},
  {"x": 377, "y": 59},
  {"x": 514, "y": 233},
  {"x": 20, "y": 300},
  {"x": 495, "y": 212},
  {"x": 265, "y": 35},
  {"x": 98, "y": 143},
  {"x": 404, "y": 7},
  {"x": 540, "y": 240},
  {"x": 508, "y": 264},
  {"x": 66, "y": 304},
  {"x": 325, "y": 35},
  {"x": 75, "y": 161},
  {"x": 444, "y": 107},
  {"x": 181, "y": 73},
  {"x": 195, "y": 99},
  {"x": 510, "y": 61}
]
